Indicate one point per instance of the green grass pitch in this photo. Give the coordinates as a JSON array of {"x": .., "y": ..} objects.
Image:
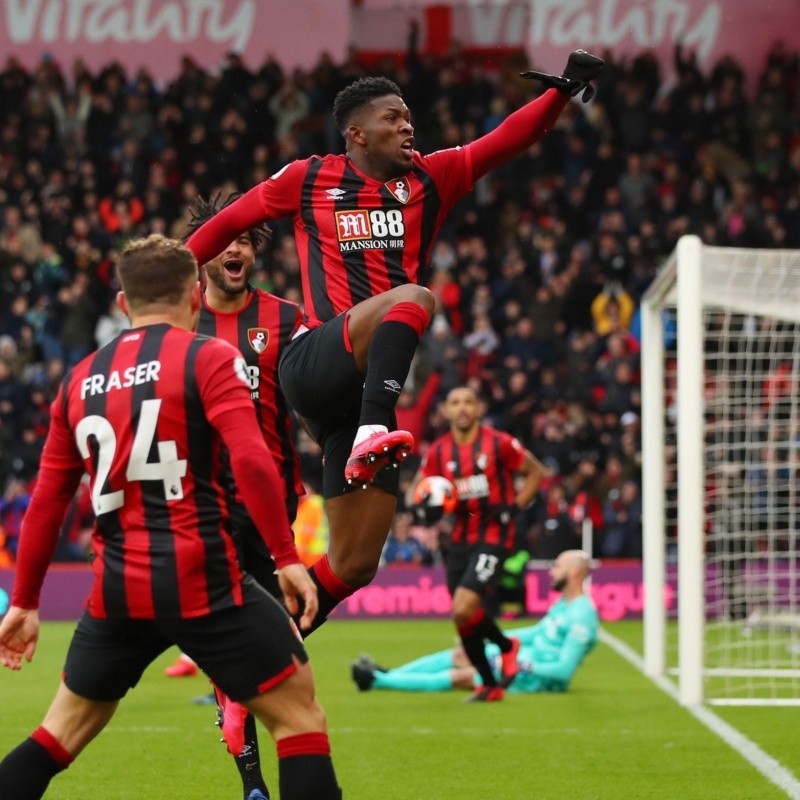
[{"x": 614, "y": 735}]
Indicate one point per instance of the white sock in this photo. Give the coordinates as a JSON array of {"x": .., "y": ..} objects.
[{"x": 365, "y": 431}]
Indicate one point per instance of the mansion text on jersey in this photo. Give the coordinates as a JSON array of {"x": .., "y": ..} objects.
[{"x": 370, "y": 244}]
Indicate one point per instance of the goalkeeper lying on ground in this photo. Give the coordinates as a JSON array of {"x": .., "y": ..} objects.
[{"x": 551, "y": 650}]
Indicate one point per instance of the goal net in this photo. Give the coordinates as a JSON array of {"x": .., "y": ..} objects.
[{"x": 721, "y": 433}]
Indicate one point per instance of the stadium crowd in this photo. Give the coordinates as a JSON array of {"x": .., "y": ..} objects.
[{"x": 538, "y": 273}]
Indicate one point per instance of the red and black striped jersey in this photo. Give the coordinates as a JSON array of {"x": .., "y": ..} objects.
[
  {"x": 260, "y": 330},
  {"x": 483, "y": 473},
  {"x": 137, "y": 416},
  {"x": 357, "y": 237}
]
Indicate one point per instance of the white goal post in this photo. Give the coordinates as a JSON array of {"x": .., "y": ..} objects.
[{"x": 721, "y": 447}]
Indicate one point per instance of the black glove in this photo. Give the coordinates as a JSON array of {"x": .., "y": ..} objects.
[
  {"x": 581, "y": 68},
  {"x": 505, "y": 514},
  {"x": 427, "y": 515}
]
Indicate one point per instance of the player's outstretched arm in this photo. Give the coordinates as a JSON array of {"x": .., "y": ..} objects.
[
  {"x": 581, "y": 68},
  {"x": 19, "y": 634},
  {"x": 525, "y": 126},
  {"x": 528, "y": 124}
]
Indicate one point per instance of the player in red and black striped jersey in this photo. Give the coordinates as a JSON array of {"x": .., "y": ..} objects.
[
  {"x": 147, "y": 417},
  {"x": 259, "y": 325},
  {"x": 365, "y": 223},
  {"x": 482, "y": 464}
]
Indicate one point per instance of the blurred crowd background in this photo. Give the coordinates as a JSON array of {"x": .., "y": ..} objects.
[{"x": 538, "y": 273}]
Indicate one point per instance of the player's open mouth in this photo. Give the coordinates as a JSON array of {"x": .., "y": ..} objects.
[
  {"x": 234, "y": 268},
  {"x": 408, "y": 146}
]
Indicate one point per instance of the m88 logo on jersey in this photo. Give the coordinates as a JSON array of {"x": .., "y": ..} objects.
[{"x": 370, "y": 229}]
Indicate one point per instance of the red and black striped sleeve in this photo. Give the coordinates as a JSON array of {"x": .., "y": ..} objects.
[
  {"x": 60, "y": 473},
  {"x": 278, "y": 196},
  {"x": 516, "y": 133}
]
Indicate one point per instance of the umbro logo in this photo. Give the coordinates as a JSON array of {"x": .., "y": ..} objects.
[
  {"x": 393, "y": 386},
  {"x": 335, "y": 194}
]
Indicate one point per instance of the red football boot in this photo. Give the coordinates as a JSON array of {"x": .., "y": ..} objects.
[
  {"x": 231, "y": 722},
  {"x": 486, "y": 694},
  {"x": 375, "y": 453},
  {"x": 183, "y": 667},
  {"x": 509, "y": 665}
]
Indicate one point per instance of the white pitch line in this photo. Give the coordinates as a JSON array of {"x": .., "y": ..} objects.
[{"x": 771, "y": 769}]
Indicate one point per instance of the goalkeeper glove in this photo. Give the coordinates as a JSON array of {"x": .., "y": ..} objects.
[
  {"x": 581, "y": 68},
  {"x": 505, "y": 514},
  {"x": 515, "y": 564}
]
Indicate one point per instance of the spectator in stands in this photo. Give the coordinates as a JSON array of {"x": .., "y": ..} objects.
[
  {"x": 18, "y": 236},
  {"x": 74, "y": 539},
  {"x": 110, "y": 324},
  {"x": 12, "y": 397},
  {"x": 413, "y": 406},
  {"x": 481, "y": 342},
  {"x": 554, "y": 530},
  {"x": 79, "y": 319},
  {"x": 288, "y": 106},
  {"x": 444, "y": 352},
  {"x": 13, "y": 505},
  {"x": 622, "y": 514},
  {"x": 401, "y": 546},
  {"x": 612, "y": 309},
  {"x": 310, "y": 526}
]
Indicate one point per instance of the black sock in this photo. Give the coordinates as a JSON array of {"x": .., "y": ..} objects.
[
  {"x": 388, "y": 362},
  {"x": 487, "y": 629},
  {"x": 473, "y": 647},
  {"x": 308, "y": 777},
  {"x": 248, "y": 763},
  {"x": 26, "y": 772}
]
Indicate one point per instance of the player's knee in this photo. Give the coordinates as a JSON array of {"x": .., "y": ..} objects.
[
  {"x": 461, "y": 617},
  {"x": 360, "y": 573},
  {"x": 307, "y": 714},
  {"x": 312, "y": 718},
  {"x": 356, "y": 569},
  {"x": 419, "y": 295}
]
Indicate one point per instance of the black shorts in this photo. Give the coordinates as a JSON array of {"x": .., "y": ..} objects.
[
  {"x": 320, "y": 380},
  {"x": 244, "y": 650},
  {"x": 253, "y": 553},
  {"x": 475, "y": 566}
]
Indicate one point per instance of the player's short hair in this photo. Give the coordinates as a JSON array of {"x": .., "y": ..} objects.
[
  {"x": 155, "y": 271},
  {"x": 357, "y": 95},
  {"x": 202, "y": 210},
  {"x": 464, "y": 388}
]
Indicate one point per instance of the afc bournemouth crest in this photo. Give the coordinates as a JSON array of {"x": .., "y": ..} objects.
[
  {"x": 258, "y": 338},
  {"x": 400, "y": 189}
]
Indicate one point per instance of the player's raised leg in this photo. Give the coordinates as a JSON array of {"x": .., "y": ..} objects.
[
  {"x": 384, "y": 332},
  {"x": 323, "y": 375}
]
